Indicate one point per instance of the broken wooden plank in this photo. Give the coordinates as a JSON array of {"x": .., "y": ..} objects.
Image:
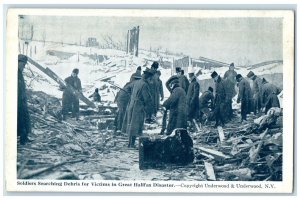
[
  {"x": 253, "y": 153},
  {"x": 221, "y": 134},
  {"x": 196, "y": 125},
  {"x": 209, "y": 171},
  {"x": 216, "y": 154}
]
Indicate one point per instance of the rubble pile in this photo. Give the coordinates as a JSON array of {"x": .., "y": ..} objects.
[{"x": 248, "y": 152}]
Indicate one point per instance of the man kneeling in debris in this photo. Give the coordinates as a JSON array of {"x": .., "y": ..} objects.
[
  {"x": 70, "y": 102},
  {"x": 176, "y": 103},
  {"x": 96, "y": 96},
  {"x": 140, "y": 104}
]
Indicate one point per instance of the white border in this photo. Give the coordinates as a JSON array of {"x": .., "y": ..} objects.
[{"x": 11, "y": 94}]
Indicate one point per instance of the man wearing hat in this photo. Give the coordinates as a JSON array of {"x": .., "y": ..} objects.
[
  {"x": 176, "y": 103},
  {"x": 139, "y": 106},
  {"x": 269, "y": 94},
  {"x": 70, "y": 102},
  {"x": 183, "y": 81},
  {"x": 206, "y": 101},
  {"x": 122, "y": 99},
  {"x": 220, "y": 97},
  {"x": 244, "y": 96},
  {"x": 229, "y": 83},
  {"x": 138, "y": 72},
  {"x": 23, "y": 124},
  {"x": 193, "y": 97},
  {"x": 256, "y": 89}
]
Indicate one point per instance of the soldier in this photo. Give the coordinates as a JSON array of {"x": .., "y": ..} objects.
[
  {"x": 24, "y": 125},
  {"x": 154, "y": 90},
  {"x": 256, "y": 89},
  {"x": 140, "y": 104},
  {"x": 138, "y": 72},
  {"x": 220, "y": 97},
  {"x": 269, "y": 94},
  {"x": 70, "y": 102},
  {"x": 206, "y": 101},
  {"x": 229, "y": 83},
  {"x": 183, "y": 81},
  {"x": 122, "y": 99},
  {"x": 96, "y": 96},
  {"x": 244, "y": 96},
  {"x": 176, "y": 103},
  {"x": 193, "y": 97}
]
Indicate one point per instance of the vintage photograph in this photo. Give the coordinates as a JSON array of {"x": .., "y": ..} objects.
[{"x": 161, "y": 98}]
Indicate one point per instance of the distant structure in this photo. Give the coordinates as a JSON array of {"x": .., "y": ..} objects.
[
  {"x": 92, "y": 42},
  {"x": 133, "y": 41},
  {"x": 204, "y": 63}
]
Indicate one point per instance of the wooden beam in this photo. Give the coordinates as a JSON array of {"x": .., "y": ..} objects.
[{"x": 210, "y": 173}]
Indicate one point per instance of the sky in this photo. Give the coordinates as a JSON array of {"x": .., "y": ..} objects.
[{"x": 240, "y": 40}]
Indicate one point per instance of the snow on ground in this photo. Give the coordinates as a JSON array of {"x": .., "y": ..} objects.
[{"x": 119, "y": 66}]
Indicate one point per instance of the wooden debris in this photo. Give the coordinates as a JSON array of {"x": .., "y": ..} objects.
[
  {"x": 209, "y": 171},
  {"x": 41, "y": 171},
  {"x": 196, "y": 125},
  {"x": 216, "y": 154},
  {"x": 221, "y": 134},
  {"x": 253, "y": 153}
]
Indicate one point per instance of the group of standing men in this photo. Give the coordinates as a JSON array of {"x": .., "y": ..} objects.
[{"x": 138, "y": 101}]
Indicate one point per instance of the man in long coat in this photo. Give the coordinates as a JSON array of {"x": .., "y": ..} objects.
[
  {"x": 269, "y": 94},
  {"x": 154, "y": 91},
  {"x": 70, "y": 102},
  {"x": 244, "y": 96},
  {"x": 193, "y": 98},
  {"x": 140, "y": 104},
  {"x": 176, "y": 103},
  {"x": 229, "y": 83},
  {"x": 206, "y": 101},
  {"x": 256, "y": 90},
  {"x": 122, "y": 99},
  {"x": 220, "y": 100},
  {"x": 23, "y": 124}
]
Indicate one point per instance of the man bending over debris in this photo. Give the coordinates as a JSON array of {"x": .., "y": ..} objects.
[
  {"x": 206, "y": 101},
  {"x": 140, "y": 105},
  {"x": 176, "y": 103},
  {"x": 269, "y": 94},
  {"x": 70, "y": 102},
  {"x": 24, "y": 126}
]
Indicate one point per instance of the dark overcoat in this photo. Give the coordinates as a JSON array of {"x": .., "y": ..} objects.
[
  {"x": 140, "y": 104},
  {"x": 23, "y": 124},
  {"x": 245, "y": 96},
  {"x": 122, "y": 99},
  {"x": 69, "y": 100},
  {"x": 193, "y": 99},
  {"x": 176, "y": 103}
]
